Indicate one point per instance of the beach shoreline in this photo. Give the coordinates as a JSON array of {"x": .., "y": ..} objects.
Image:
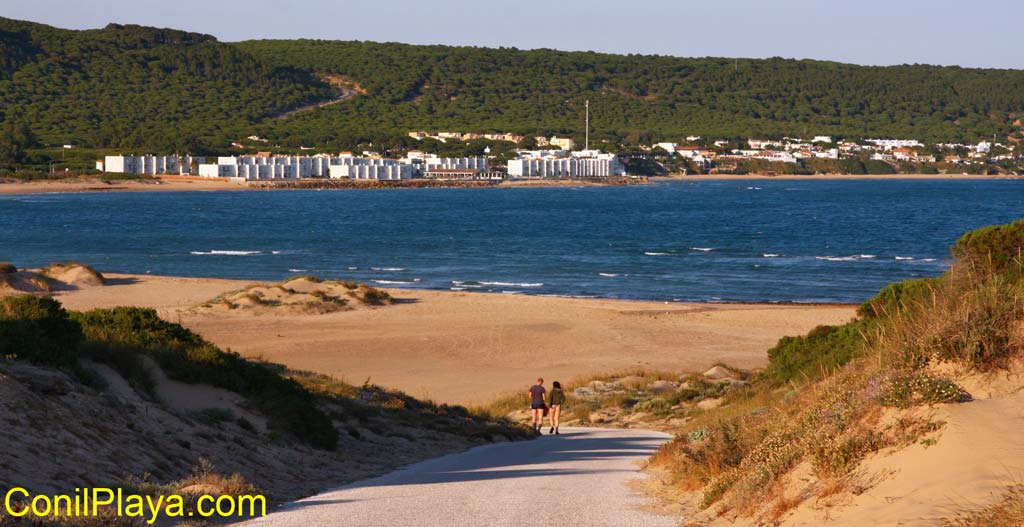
[
  {"x": 469, "y": 347},
  {"x": 825, "y": 177},
  {"x": 180, "y": 184}
]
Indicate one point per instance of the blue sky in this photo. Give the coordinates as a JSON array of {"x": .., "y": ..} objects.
[{"x": 977, "y": 34}]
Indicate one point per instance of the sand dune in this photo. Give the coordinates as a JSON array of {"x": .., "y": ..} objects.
[{"x": 469, "y": 347}]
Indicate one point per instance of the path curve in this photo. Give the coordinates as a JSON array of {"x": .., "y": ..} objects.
[{"x": 577, "y": 478}]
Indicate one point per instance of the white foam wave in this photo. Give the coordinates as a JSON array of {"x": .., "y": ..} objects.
[
  {"x": 837, "y": 258},
  {"x": 609, "y": 275},
  {"x": 771, "y": 255},
  {"x": 226, "y": 253},
  {"x": 275, "y": 252},
  {"x": 297, "y": 270},
  {"x": 514, "y": 284},
  {"x": 754, "y": 188},
  {"x": 353, "y": 268},
  {"x": 702, "y": 249},
  {"x": 869, "y": 256},
  {"x": 388, "y": 269},
  {"x": 928, "y": 259},
  {"x": 904, "y": 257},
  {"x": 652, "y": 253},
  {"x": 396, "y": 282}
]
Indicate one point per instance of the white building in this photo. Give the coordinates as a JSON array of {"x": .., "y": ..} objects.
[
  {"x": 599, "y": 165},
  {"x": 822, "y": 139},
  {"x": 889, "y": 144},
  {"x": 150, "y": 165},
  {"x": 391, "y": 172}
]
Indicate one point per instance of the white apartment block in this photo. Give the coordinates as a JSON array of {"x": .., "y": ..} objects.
[
  {"x": 603, "y": 165},
  {"x": 390, "y": 172},
  {"x": 889, "y": 144},
  {"x": 150, "y": 165}
]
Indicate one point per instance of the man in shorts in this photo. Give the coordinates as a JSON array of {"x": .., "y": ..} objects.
[{"x": 538, "y": 403}]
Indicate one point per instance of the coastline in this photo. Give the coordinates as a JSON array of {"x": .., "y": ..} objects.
[
  {"x": 468, "y": 347},
  {"x": 179, "y": 184},
  {"x": 824, "y": 177}
]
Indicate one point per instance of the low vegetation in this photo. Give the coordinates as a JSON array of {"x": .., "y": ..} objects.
[
  {"x": 651, "y": 399},
  {"x": 839, "y": 394},
  {"x": 304, "y": 294},
  {"x": 1007, "y": 511}
]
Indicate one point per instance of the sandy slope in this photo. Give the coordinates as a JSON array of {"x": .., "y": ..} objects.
[
  {"x": 575, "y": 479},
  {"x": 468, "y": 347},
  {"x": 978, "y": 454}
]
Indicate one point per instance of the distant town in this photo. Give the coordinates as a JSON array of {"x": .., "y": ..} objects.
[{"x": 557, "y": 158}]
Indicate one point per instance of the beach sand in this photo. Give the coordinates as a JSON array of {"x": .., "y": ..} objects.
[
  {"x": 469, "y": 347},
  {"x": 128, "y": 185}
]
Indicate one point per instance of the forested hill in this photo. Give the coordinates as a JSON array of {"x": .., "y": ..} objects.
[
  {"x": 162, "y": 90},
  {"x": 474, "y": 89},
  {"x": 132, "y": 86}
]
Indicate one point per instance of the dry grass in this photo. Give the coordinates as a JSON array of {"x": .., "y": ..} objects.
[
  {"x": 737, "y": 456},
  {"x": 1008, "y": 511}
]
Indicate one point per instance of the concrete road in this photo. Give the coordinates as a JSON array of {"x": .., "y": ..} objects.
[{"x": 577, "y": 478}]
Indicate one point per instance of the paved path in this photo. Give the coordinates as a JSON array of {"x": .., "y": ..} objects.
[{"x": 573, "y": 479}]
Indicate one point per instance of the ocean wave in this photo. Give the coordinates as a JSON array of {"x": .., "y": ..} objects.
[
  {"x": 514, "y": 284},
  {"x": 702, "y": 249},
  {"x": 869, "y": 256},
  {"x": 297, "y": 270},
  {"x": 467, "y": 284},
  {"x": 511, "y": 292},
  {"x": 397, "y": 282},
  {"x": 928, "y": 259},
  {"x": 904, "y": 257},
  {"x": 608, "y": 275},
  {"x": 652, "y": 253},
  {"x": 353, "y": 268},
  {"x": 754, "y": 188},
  {"x": 771, "y": 255},
  {"x": 225, "y": 253},
  {"x": 275, "y": 252},
  {"x": 837, "y": 258},
  {"x": 388, "y": 269}
]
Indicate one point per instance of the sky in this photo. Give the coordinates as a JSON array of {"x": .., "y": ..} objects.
[{"x": 872, "y": 32}]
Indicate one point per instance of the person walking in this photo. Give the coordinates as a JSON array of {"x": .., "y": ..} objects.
[
  {"x": 538, "y": 404},
  {"x": 556, "y": 401}
]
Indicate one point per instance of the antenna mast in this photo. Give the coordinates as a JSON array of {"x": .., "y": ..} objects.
[{"x": 586, "y": 144}]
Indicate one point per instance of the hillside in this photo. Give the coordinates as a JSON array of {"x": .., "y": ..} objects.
[
  {"x": 906, "y": 415},
  {"x": 640, "y": 97},
  {"x": 135, "y": 87},
  {"x": 119, "y": 397}
]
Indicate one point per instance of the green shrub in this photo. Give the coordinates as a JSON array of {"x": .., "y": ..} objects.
[
  {"x": 913, "y": 389},
  {"x": 187, "y": 357},
  {"x": 898, "y": 295},
  {"x": 39, "y": 330},
  {"x": 820, "y": 352},
  {"x": 376, "y": 297},
  {"x": 995, "y": 248}
]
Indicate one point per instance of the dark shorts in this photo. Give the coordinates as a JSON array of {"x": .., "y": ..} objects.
[{"x": 538, "y": 406}]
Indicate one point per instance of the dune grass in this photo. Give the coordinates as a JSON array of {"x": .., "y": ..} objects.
[{"x": 1007, "y": 511}]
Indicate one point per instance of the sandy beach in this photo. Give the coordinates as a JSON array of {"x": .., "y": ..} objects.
[
  {"x": 128, "y": 185},
  {"x": 469, "y": 347}
]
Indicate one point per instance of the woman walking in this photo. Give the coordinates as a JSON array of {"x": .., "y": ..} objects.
[{"x": 556, "y": 399}]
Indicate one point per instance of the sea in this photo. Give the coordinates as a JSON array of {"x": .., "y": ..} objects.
[{"x": 706, "y": 241}]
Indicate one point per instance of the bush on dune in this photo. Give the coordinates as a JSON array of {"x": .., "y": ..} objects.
[
  {"x": 40, "y": 330},
  {"x": 187, "y": 357}
]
